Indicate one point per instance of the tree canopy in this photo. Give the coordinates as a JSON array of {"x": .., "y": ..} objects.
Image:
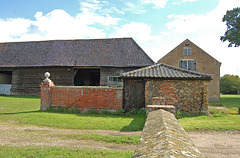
[
  {"x": 232, "y": 19},
  {"x": 229, "y": 84}
]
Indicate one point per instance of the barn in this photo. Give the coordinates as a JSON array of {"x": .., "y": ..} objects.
[{"x": 88, "y": 62}]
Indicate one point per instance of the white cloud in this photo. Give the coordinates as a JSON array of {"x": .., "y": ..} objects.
[
  {"x": 10, "y": 28},
  {"x": 183, "y": 1},
  {"x": 97, "y": 12},
  {"x": 139, "y": 31},
  {"x": 92, "y": 22},
  {"x": 205, "y": 31},
  {"x": 156, "y": 3},
  {"x": 134, "y": 8},
  {"x": 189, "y": 1},
  {"x": 55, "y": 25}
]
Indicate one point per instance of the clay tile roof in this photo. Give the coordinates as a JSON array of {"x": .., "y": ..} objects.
[
  {"x": 165, "y": 71},
  {"x": 117, "y": 52}
]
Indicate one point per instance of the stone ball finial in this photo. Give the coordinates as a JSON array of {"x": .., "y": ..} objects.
[{"x": 47, "y": 75}]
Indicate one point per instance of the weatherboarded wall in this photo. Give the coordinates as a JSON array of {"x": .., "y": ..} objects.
[
  {"x": 25, "y": 81},
  {"x": 187, "y": 95},
  {"x": 112, "y": 71}
]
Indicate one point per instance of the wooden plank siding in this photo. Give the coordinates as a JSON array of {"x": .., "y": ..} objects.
[
  {"x": 134, "y": 94},
  {"x": 26, "y": 81}
]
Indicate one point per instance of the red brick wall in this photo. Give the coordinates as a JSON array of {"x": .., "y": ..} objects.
[{"x": 85, "y": 98}]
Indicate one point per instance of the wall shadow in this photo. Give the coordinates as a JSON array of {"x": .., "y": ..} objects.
[{"x": 136, "y": 124}]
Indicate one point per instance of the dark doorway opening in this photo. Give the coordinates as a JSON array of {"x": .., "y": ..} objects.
[
  {"x": 87, "y": 77},
  {"x": 5, "y": 77}
]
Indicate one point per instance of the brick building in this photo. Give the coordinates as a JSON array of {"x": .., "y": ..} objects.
[
  {"x": 189, "y": 56},
  {"x": 186, "y": 90}
]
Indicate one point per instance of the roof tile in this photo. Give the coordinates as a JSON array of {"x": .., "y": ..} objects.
[
  {"x": 116, "y": 52},
  {"x": 165, "y": 71}
]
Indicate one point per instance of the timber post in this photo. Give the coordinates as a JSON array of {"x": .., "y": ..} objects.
[{"x": 46, "y": 85}]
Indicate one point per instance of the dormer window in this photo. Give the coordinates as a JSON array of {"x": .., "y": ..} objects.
[{"x": 187, "y": 51}]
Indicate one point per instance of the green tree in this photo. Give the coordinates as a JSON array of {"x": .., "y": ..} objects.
[
  {"x": 229, "y": 84},
  {"x": 232, "y": 19}
]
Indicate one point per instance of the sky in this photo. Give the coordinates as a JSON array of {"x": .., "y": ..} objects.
[{"x": 158, "y": 26}]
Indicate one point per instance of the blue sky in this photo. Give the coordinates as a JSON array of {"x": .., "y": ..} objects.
[{"x": 157, "y": 26}]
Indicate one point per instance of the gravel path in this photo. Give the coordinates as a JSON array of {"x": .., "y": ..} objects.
[
  {"x": 215, "y": 144},
  {"x": 16, "y": 135}
]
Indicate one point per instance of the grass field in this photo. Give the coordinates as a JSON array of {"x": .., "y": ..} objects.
[
  {"x": 24, "y": 110},
  {"x": 49, "y": 152},
  {"x": 229, "y": 101}
]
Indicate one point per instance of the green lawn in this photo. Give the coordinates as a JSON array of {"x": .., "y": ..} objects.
[
  {"x": 220, "y": 120},
  {"x": 25, "y": 110},
  {"x": 229, "y": 101},
  {"x": 225, "y": 122},
  {"x": 60, "y": 152},
  {"x": 103, "y": 138}
]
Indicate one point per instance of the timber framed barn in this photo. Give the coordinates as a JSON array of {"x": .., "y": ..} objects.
[{"x": 88, "y": 62}]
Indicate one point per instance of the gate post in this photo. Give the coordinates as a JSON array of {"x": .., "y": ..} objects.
[{"x": 46, "y": 92}]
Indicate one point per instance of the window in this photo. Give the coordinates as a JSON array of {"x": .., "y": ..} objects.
[
  {"x": 188, "y": 64},
  {"x": 114, "y": 79},
  {"x": 187, "y": 51}
]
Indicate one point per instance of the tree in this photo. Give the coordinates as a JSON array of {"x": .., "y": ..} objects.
[
  {"x": 229, "y": 84},
  {"x": 232, "y": 19}
]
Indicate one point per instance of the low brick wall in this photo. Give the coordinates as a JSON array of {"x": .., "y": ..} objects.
[
  {"x": 81, "y": 97},
  {"x": 163, "y": 136}
]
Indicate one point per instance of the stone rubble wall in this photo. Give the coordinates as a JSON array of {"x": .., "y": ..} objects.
[
  {"x": 163, "y": 136},
  {"x": 186, "y": 95}
]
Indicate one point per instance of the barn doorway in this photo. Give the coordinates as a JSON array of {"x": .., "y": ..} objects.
[
  {"x": 87, "y": 77},
  {"x": 5, "y": 77},
  {"x": 5, "y": 82},
  {"x": 134, "y": 94}
]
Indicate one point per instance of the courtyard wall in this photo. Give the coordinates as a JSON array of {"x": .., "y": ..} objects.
[{"x": 83, "y": 98}]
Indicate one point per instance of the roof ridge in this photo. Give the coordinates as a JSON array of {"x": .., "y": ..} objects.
[{"x": 52, "y": 40}]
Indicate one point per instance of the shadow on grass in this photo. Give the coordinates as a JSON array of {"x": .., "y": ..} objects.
[
  {"x": 136, "y": 124},
  {"x": 184, "y": 114},
  {"x": 24, "y": 112},
  {"x": 21, "y": 96}
]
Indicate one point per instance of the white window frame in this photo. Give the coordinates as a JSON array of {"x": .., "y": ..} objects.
[
  {"x": 114, "y": 79},
  {"x": 187, "y": 51},
  {"x": 188, "y": 64}
]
